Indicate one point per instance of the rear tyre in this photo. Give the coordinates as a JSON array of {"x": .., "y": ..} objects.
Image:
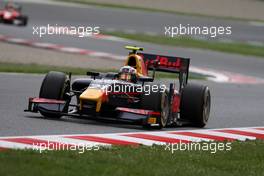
[
  {"x": 195, "y": 104},
  {"x": 159, "y": 102},
  {"x": 54, "y": 86}
]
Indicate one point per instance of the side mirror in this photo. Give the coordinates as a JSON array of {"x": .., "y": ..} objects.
[
  {"x": 146, "y": 79},
  {"x": 92, "y": 74}
]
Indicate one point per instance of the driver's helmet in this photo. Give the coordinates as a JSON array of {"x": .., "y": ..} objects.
[
  {"x": 128, "y": 73},
  {"x": 9, "y": 5}
]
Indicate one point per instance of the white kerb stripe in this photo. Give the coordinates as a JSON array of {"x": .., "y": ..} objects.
[
  {"x": 71, "y": 141},
  {"x": 228, "y": 135},
  {"x": 16, "y": 145},
  {"x": 130, "y": 139},
  {"x": 251, "y": 130},
  {"x": 99, "y": 54},
  {"x": 181, "y": 137},
  {"x": 17, "y": 40},
  {"x": 44, "y": 45},
  {"x": 72, "y": 50},
  {"x": 217, "y": 77}
]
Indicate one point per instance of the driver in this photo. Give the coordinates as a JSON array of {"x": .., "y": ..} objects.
[
  {"x": 11, "y": 5},
  {"x": 128, "y": 73}
]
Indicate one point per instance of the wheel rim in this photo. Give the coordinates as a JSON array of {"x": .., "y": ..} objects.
[
  {"x": 164, "y": 110},
  {"x": 66, "y": 89},
  {"x": 207, "y": 105}
]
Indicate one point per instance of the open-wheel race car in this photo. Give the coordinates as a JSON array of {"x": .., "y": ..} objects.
[
  {"x": 12, "y": 14},
  {"x": 130, "y": 95}
]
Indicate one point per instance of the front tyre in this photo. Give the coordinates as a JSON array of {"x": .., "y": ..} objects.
[
  {"x": 159, "y": 102},
  {"x": 54, "y": 86},
  {"x": 23, "y": 20},
  {"x": 195, "y": 104}
]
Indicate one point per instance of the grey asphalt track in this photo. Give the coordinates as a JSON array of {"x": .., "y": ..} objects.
[
  {"x": 233, "y": 105},
  {"x": 43, "y": 14},
  {"x": 127, "y": 20}
]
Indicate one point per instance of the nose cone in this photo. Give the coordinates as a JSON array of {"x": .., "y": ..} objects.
[{"x": 92, "y": 94}]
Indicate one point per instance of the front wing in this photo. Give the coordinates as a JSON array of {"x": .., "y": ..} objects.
[{"x": 129, "y": 115}]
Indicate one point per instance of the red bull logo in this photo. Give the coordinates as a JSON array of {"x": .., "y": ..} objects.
[{"x": 162, "y": 61}]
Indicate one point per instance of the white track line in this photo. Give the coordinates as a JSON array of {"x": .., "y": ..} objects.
[
  {"x": 255, "y": 43},
  {"x": 256, "y": 23}
]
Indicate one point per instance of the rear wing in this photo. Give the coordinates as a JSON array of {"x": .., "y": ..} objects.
[{"x": 170, "y": 64}]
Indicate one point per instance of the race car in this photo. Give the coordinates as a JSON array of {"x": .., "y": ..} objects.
[
  {"x": 130, "y": 95},
  {"x": 11, "y": 14}
]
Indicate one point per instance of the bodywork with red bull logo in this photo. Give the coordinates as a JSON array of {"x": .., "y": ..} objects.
[{"x": 144, "y": 101}]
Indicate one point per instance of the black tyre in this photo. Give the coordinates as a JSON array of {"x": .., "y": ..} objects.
[
  {"x": 54, "y": 86},
  {"x": 196, "y": 104},
  {"x": 157, "y": 101},
  {"x": 23, "y": 20}
]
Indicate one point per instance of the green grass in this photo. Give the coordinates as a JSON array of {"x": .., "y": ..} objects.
[
  {"x": 237, "y": 48},
  {"x": 245, "y": 158},
  {"x": 149, "y": 9},
  {"x": 35, "y": 68}
]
